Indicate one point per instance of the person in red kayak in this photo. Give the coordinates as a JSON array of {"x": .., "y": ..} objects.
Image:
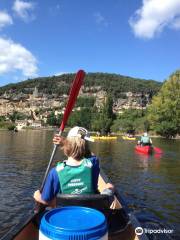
[
  {"x": 76, "y": 175},
  {"x": 145, "y": 140}
]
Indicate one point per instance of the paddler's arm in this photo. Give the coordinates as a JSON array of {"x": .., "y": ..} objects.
[
  {"x": 50, "y": 190},
  {"x": 38, "y": 198},
  {"x": 51, "y": 187}
]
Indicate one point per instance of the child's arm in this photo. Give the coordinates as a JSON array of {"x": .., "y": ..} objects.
[{"x": 38, "y": 198}]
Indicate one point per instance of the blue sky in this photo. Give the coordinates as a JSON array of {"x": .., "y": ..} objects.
[{"x": 138, "y": 38}]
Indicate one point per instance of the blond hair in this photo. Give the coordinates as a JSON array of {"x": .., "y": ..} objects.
[{"x": 74, "y": 147}]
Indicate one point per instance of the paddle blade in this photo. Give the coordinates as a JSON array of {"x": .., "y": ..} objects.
[
  {"x": 157, "y": 150},
  {"x": 76, "y": 85}
]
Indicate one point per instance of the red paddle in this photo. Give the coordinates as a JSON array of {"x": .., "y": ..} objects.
[{"x": 76, "y": 85}]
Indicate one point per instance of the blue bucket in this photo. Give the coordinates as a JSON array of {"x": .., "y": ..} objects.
[{"x": 73, "y": 223}]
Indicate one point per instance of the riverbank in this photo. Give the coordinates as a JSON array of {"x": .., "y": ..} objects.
[
  {"x": 30, "y": 128},
  {"x": 119, "y": 134}
]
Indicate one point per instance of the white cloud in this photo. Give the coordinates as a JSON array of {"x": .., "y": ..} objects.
[
  {"x": 100, "y": 20},
  {"x": 60, "y": 73},
  {"x": 154, "y": 16},
  {"x": 14, "y": 56},
  {"x": 23, "y": 9},
  {"x": 5, "y": 19},
  {"x": 176, "y": 23}
]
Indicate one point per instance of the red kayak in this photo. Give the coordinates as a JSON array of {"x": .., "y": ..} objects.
[
  {"x": 144, "y": 149},
  {"x": 148, "y": 149}
]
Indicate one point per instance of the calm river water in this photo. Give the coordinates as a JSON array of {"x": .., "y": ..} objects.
[{"x": 149, "y": 184}]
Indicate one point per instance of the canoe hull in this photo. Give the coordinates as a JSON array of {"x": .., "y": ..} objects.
[
  {"x": 128, "y": 138},
  {"x": 28, "y": 228},
  {"x": 31, "y": 232},
  {"x": 104, "y": 137},
  {"x": 144, "y": 149}
]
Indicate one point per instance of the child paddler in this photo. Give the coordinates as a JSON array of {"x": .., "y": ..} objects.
[
  {"x": 145, "y": 140},
  {"x": 76, "y": 175}
]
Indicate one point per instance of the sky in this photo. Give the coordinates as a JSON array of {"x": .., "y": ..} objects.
[{"x": 137, "y": 38}]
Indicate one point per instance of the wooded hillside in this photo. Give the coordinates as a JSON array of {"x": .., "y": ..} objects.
[{"x": 111, "y": 83}]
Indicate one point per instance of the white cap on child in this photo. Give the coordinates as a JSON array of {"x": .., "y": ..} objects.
[{"x": 80, "y": 132}]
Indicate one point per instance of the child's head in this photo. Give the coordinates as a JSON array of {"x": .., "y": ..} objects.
[{"x": 75, "y": 145}]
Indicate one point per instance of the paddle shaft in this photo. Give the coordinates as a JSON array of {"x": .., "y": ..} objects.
[
  {"x": 50, "y": 163},
  {"x": 77, "y": 83}
]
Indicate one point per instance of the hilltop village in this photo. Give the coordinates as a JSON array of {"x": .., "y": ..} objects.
[{"x": 38, "y": 106}]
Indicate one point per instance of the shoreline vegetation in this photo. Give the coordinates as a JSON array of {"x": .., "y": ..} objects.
[{"x": 157, "y": 114}]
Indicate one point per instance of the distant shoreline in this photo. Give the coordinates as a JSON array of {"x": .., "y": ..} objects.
[{"x": 56, "y": 130}]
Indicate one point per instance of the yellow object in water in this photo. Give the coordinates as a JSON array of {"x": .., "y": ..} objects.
[
  {"x": 128, "y": 138},
  {"x": 104, "y": 137}
]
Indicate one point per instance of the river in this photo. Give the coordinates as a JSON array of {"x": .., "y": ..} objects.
[{"x": 149, "y": 184}]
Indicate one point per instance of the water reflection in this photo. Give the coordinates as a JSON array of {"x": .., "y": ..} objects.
[
  {"x": 149, "y": 183},
  {"x": 144, "y": 159}
]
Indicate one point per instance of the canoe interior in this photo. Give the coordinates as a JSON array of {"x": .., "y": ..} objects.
[{"x": 29, "y": 229}]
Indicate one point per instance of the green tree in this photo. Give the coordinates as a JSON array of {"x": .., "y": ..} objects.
[
  {"x": 103, "y": 120},
  {"x": 164, "y": 112},
  {"x": 81, "y": 118},
  {"x": 86, "y": 102},
  {"x": 59, "y": 119},
  {"x": 7, "y": 125},
  {"x": 51, "y": 119},
  {"x": 131, "y": 121},
  {"x": 101, "y": 123},
  {"x": 17, "y": 116},
  {"x": 54, "y": 120},
  {"x": 2, "y": 118},
  {"x": 108, "y": 107}
]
